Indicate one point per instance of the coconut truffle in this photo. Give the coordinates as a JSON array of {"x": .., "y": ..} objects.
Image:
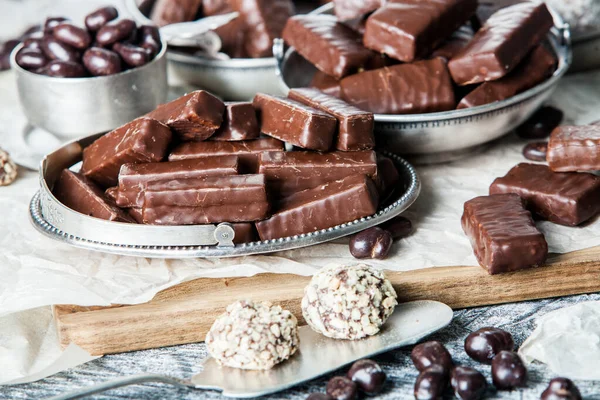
[
  {"x": 253, "y": 335},
  {"x": 348, "y": 302}
]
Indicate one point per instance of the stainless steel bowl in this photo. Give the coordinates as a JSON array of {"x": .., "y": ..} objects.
[{"x": 77, "y": 107}]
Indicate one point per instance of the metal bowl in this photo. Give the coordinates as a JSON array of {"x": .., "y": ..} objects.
[
  {"x": 76, "y": 107},
  {"x": 443, "y": 136}
]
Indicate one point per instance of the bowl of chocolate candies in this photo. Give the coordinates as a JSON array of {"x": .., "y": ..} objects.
[
  {"x": 80, "y": 79},
  {"x": 441, "y": 81}
]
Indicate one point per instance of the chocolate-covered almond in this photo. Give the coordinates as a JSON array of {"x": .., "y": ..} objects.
[
  {"x": 32, "y": 43},
  {"x": 483, "y": 344},
  {"x": 64, "y": 69},
  {"x": 31, "y": 59},
  {"x": 72, "y": 35},
  {"x": 97, "y": 19},
  {"x": 101, "y": 62},
  {"x": 535, "y": 151},
  {"x": 508, "y": 371},
  {"x": 115, "y": 32},
  {"x": 368, "y": 376},
  {"x": 431, "y": 383},
  {"x": 371, "y": 243},
  {"x": 561, "y": 389},
  {"x": 52, "y": 22},
  {"x": 342, "y": 388},
  {"x": 132, "y": 55},
  {"x": 150, "y": 39},
  {"x": 399, "y": 227},
  {"x": 430, "y": 353},
  {"x": 468, "y": 383},
  {"x": 57, "y": 50}
]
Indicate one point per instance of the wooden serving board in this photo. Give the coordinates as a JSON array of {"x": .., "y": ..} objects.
[{"x": 184, "y": 313}]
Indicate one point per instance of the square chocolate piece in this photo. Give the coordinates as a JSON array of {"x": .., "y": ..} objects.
[{"x": 239, "y": 123}]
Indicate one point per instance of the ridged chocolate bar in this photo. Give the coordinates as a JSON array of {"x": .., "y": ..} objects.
[
  {"x": 134, "y": 212},
  {"x": 239, "y": 123},
  {"x": 574, "y": 148},
  {"x": 176, "y": 215}
]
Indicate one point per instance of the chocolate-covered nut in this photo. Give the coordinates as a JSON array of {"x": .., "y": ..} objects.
[
  {"x": 541, "y": 124},
  {"x": 72, "y": 35},
  {"x": 342, "y": 388},
  {"x": 52, "y": 22},
  {"x": 535, "y": 151},
  {"x": 483, "y": 344},
  {"x": 101, "y": 62},
  {"x": 115, "y": 32},
  {"x": 32, "y": 43},
  {"x": 5, "y": 49},
  {"x": 561, "y": 389},
  {"x": 150, "y": 39},
  {"x": 97, "y": 19},
  {"x": 57, "y": 50},
  {"x": 468, "y": 383},
  {"x": 508, "y": 371},
  {"x": 31, "y": 59},
  {"x": 134, "y": 56},
  {"x": 430, "y": 353},
  {"x": 64, "y": 69},
  {"x": 399, "y": 227},
  {"x": 371, "y": 243},
  {"x": 368, "y": 376},
  {"x": 431, "y": 383},
  {"x": 319, "y": 396}
]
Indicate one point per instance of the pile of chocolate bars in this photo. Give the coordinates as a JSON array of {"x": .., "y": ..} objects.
[
  {"x": 421, "y": 56},
  {"x": 220, "y": 169}
]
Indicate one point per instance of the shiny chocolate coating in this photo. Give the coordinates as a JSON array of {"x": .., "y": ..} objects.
[
  {"x": 57, "y": 50},
  {"x": 33, "y": 29},
  {"x": 31, "y": 59},
  {"x": 32, "y": 43},
  {"x": 115, "y": 32},
  {"x": 342, "y": 388},
  {"x": 149, "y": 38},
  {"x": 535, "y": 151},
  {"x": 561, "y": 389},
  {"x": 5, "y": 49},
  {"x": 101, "y": 62},
  {"x": 574, "y": 148},
  {"x": 541, "y": 124},
  {"x": 508, "y": 371},
  {"x": 64, "y": 69},
  {"x": 430, "y": 353},
  {"x": 468, "y": 383},
  {"x": 399, "y": 227},
  {"x": 52, "y": 22},
  {"x": 72, "y": 35},
  {"x": 371, "y": 243},
  {"x": 133, "y": 56},
  {"x": 431, "y": 383},
  {"x": 483, "y": 344},
  {"x": 97, "y": 19},
  {"x": 368, "y": 376}
]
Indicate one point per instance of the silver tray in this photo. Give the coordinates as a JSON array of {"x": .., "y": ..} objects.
[{"x": 55, "y": 220}]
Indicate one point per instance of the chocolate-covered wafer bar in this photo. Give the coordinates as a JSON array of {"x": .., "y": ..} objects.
[
  {"x": 329, "y": 45},
  {"x": 82, "y": 195},
  {"x": 134, "y": 212},
  {"x": 233, "y": 35},
  {"x": 165, "y": 12},
  {"x": 295, "y": 122},
  {"x": 325, "y": 206},
  {"x": 177, "y": 215},
  {"x": 387, "y": 177},
  {"x": 410, "y": 29},
  {"x": 454, "y": 44},
  {"x": 566, "y": 198},
  {"x": 239, "y": 123},
  {"x": 195, "y": 116},
  {"x": 574, "y": 148},
  {"x": 502, "y": 43},
  {"x": 419, "y": 87},
  {"x": 140, "y": 141},
  {"x": 352, "y": 9},
  {"x": 355, "y": 126},
  {"x": 503, "y": 234},
  {"x": 326, "y": 84}
]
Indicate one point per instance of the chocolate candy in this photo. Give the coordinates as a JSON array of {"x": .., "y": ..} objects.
[
  {"x": 561, "y": 389},
  {"x": 5, "y": 49},
  {"x": 325, "y": 206},
  {"x": 368, "y": 376},
  {"x": 342, "y": 388},
  {"x": 215, "y": 7},
  {"x": 134, "y": 212},
  {"x": 574, "y": 148},
  {"x": 355, "y": 127},
  {"x": 502, "y": 233},
  {"x": 352, "y": 9},
  {"x": 64, "y": 69},
  {"x": 314, "y": 36},
  {"x": 51, "y": 23},
  {"x": 239, "y": 123},
  {"x": 319, "y": 396},
  {"x": 165, "y": 12},
  {"x": 468, "y": 383},
  {"x": 453, "y": 45},
  {"x": 31, "y": 59},
  {"x": 508, "y": 371},
  {"x": 133, "y": 56},
  {"x": 57, "y": 50},
  {"x": 500, "y": 45},
  {"x": 535, "y": 151},
  {"x": 407, "y": 30},
  {"x": 399, "y": 227},
  {"x": 82, "y": 195},
  {"x": 32, "y": 43},
  {"x": 115, "y": 32},
  {"x": 233, "y": 38},
  {"x": 431, "y": 353},
  {"x": 295, "y": 123},
  {"x": 178, "y": 215},
  {"x": 431, "y": 383},
  {"x": 326, "y": 84},
  {"x": 150, "y": 39},
  {"x": 139, "y": 141},
  {"x": 565, "y": 198},
  {"x": 101, "y": 62},
  {"x": 538, "y": 66},
  {"x": 420, "y": 87},
  {"x": 541, "y": 124},
  {"x": 387, "y": 176},
  {"x": 97, "y": 19},
  {"x": 484, "y": 344},
  {"x": 72, "y": 35},
  {"x": 371, "y": 243}
]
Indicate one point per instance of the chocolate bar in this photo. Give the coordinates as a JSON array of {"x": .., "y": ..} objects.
[
  {"x": 165, "y": 12},
  {"x": 247, "y": 151},
  {"x": 133, "y": 178},
  {"x": 352, "y": 9},
  {"x": 502, "y": 233},
  {"x": 419, "y": 87},
  {"x": 538, "y": 66},
  {"x": 233, "y": 38},
  {"x": 329, "y": 45},
  {"x": 502, "y": 43},
  {"x": 410, "y": 29},
  {"x": 566, "y": 198},
  {"x": 239, "y": 123},
  {"x": 454, "y": 44},
  {"x": 215, "y": 7},
  {"x": 387, "y": 177},
  {"x": 326, "y": 84},
  {"x": 140, "y": 141},
  {"x": 176, "y": 215},
  {"x": 322, "y": 207},
  {"x": 355, "y": 127},
  {"x": 574, "y": 148},
  {"x": 293, "y": 171},
  {"x": 294, "y": 122},
  {"x": 134, "y": 212},
  {"x": 82, "y": 195}
]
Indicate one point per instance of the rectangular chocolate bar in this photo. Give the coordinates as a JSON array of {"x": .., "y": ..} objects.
[
  {"x": 177, "y": 215},
  {"x": 454, "y": 44},
  {"x": 233, "y": 38},
  {"x": 352, "y": 9},
  {"x": 294, "y": 122},
  {"x": 134, "y": 212},
  {"x": 239, "y": 123},
  {"x": 215, "y": 7},
  {"x": 166, "y": 12},
  {"x": 247, "y": 151},
  {"x": 195, "y": 116},
  {"x": 140, "y": 141},
  {"x": 326, "y": 84},
  {"x": 410, "y": 29},
  {"x": 503, "y": 234},
  {"x": 419, "y": 87},
  {"x": 566, "y": 198},
  {"x": 536, "y": 68},
  {"x": 329, "y": 45},
  {"x": 574, "y": 148},
  {"x": 82, "y": 195},
  {"x": 355, "y": 126},
  {"x": 325, "y": 206},
  {"x": 293, "y": 171},
  {"x": 388, "y": 177},
  {"x": 502, "y": 43},
  {"x": 134, "y": 178}
]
